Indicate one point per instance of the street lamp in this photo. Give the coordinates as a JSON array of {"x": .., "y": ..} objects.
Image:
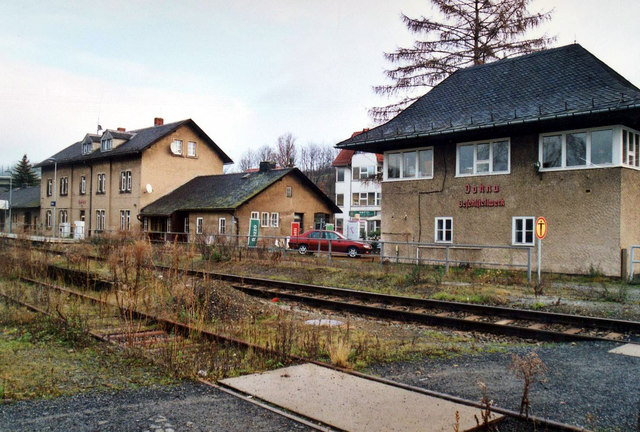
[{"x": 54, "y": 203}]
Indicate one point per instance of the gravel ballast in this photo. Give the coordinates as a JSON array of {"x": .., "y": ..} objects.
[
  {"x": 585, "y": 385},
  {"x": 187, "y": 407}
]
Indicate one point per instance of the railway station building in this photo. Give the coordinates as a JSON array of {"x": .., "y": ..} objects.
[
  {"x": 103, "y": 180},
  {"x": 484, "y": 153}
]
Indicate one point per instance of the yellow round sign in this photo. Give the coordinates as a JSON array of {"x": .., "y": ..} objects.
[{"x": 541, "y": 227}]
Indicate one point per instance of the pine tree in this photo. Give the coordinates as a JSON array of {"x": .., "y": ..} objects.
[
  {"x": 472, "y": 32},
  {"x": 23, "y": 174}
]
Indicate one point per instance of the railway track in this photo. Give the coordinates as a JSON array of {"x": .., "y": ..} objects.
[
  {"x": 523, "y": 323},
  {"x": 156, "y": 335}
]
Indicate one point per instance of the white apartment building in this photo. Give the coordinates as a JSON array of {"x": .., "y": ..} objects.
[{"x": 358, "y": 191}]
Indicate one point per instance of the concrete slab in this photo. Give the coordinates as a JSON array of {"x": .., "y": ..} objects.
[
  {"x": 352, "y": 403},
  {"x": 632, "y": 350}
]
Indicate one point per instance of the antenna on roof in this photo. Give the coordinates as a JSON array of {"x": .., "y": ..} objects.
[{"x": 99, "y": 128}]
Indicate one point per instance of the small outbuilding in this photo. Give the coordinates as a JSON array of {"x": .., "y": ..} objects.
[
  {"x": 25, "y": 209},
  {"x": 224, "y": 204}
]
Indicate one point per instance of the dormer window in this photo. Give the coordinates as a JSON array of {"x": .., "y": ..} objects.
[
  {"x": 106, "y": 144},
  {"x": 86, "y": 147}
]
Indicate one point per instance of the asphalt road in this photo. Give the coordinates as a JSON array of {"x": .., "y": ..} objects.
[{"x": 187, "y": 407}]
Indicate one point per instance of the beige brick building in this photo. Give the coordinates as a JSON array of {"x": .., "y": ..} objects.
[
  {"x": 224, "y": 204},
  {"x": 477, "y": 159},
  {"x": 104, "y": 180}
]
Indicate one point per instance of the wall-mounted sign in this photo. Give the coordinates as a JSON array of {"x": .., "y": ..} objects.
[
  {"x": 53, "y": 203},
  {"x": 363, "y": 214},
  {"x": 470, "y": 189},
  {"x": 254, "y": 229}
]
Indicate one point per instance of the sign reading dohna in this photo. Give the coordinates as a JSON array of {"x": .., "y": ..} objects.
[{"x": 254, "y": 227}]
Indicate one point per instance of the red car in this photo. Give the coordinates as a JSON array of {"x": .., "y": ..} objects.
[{"x": 309, "y": 241}]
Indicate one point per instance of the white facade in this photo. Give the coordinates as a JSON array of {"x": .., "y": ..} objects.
[{"x": 358, "y": 192}]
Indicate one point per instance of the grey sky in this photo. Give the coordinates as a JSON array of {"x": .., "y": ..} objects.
[{"x": 245, "y": 71}]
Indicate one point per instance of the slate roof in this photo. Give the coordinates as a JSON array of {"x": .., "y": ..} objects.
[
  {"x": 554, "y": 83},
  {"x": 27, "y": 197},
  {"x": 225, "y": 192},
  {"x": 140, "y": 139}
]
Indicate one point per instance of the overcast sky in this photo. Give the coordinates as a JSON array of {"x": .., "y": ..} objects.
[{"x": 245, "y": 71}]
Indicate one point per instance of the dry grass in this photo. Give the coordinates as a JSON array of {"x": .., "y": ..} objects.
[{"x": 215, "y": 306}]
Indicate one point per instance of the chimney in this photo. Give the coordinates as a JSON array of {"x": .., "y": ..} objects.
[
  {"x": 267, "y": 166},
  {"x": 158, "y": 121},
  {"x": 121, "y": 129}
]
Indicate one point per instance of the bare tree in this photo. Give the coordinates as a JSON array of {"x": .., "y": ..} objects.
[
  {"x": 247, "y": 161},
  {"x": 472, "y": 32},
  {"x": 286, "y": 150},
  {"x": 315, "y": 162},
  {"x": 266, "y": 153}
]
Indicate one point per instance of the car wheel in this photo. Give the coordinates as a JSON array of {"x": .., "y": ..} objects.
[
  {"x": 302, "y": 249},
  {"x": 352, "y": 252}
]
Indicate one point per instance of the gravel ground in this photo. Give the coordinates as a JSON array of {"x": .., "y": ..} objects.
[
  {"x": 585, "y": 384},
  {"x": 188, "y": 407}
]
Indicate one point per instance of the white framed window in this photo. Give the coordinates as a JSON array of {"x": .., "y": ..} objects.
[
  {"x": 64, "y": 186},
  {"x": 106, "y": 144},
  {"x": 289, "y": 192},
  {"x": 265, "y": 219},
  {"x": 409, "y": 164},
  {"x": 443, "y": 230},
  {"x": 483, "y": 157},
  {"x": 102, "y": 184},
  {"x": 222, "y": 226},
  {"x": 340, "y": 174},
  {"x": 199, "y": 225},
  {"x": 630, "y": 147},
  {"x": 64, "y": 217},
  {"x": 191, "y": 149},
  {"x": 522, "y": 231},
  {"x": 48, "y": 218},
  {"x": 49, "y": 187},
  {"x": 364, "y": 172},
  {"x": 255, "y": 215},
  {"x": 275, "y": 219},
  {"x": 578, "y": 149},
  {"x": 125, "y": 219},
  {"x": 363, "y": 199},
  {"x": 100, "y": 220},
  {"x": 176, "y": 147},
  {"x": 125, "y": 181},
  {"x": 340, "y": 200},
  {"x": 378, "y": 198},
  {"x": 145, "y": 224},
  {"x": 186, "y": 224},
  {"x": 83, "y": 185},
  {"x": 87, "y": 147}
]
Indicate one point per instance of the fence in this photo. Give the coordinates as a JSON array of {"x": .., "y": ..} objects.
[
  {"x": 517, "y": 257},
  {"x": 632, "y": 261}
]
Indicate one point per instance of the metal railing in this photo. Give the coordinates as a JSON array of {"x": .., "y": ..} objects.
[
  {"x": 418, "y": 253},
  {"x": 632, "y": 261}
]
